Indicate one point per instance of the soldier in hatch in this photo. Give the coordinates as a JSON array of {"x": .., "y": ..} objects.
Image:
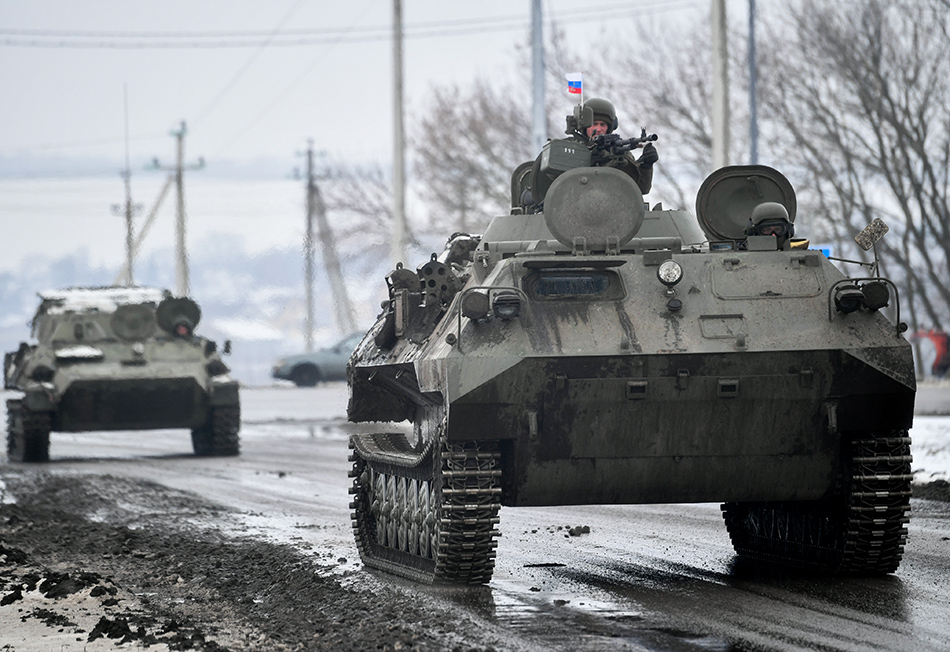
[{"x": 605, "y": 122}]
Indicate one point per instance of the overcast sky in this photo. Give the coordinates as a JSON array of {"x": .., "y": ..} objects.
[
  {"x": 253, "y": 79},
  {"x": 228, "y": 68}
]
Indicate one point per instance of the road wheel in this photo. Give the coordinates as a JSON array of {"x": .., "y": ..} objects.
[
  {"x": 219, "y": 435},
  {"x": 428, "y": 511},
  {"x": 305, "y": 375},
  {"x": 27, "y": 433}
]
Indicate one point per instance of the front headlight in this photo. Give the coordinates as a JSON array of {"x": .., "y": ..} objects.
[
  {"x": 669, "y": 273},
  {"x": 848, "y": 298},
  {"x": 876, "y": 295},
  {"x": 475, "y": 305},
  {"x": 506, "y": 305}
]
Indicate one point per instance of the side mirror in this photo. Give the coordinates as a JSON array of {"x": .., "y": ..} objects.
[
  {"x": 869, "y": 237},
  {"x": 227, "y": 347},
  {"x": 871, "y": 234}
]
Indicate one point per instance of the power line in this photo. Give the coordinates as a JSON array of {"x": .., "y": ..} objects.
[
  {"x": 385, "y": 29},
  {"x": 278, "y": 97},
  {"x": 330, "y": 37},
  {"x": 247, "y": 64},
  {"x": 40, "y": 38},
  {"x": 95, "y": 143}
]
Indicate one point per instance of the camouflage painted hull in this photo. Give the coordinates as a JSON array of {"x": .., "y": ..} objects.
[{"x": 640, "y": 370}]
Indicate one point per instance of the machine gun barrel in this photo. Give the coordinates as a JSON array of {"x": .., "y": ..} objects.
[
  {"x": 613, "y": 145},
  {"x": 637, "y": 141}
]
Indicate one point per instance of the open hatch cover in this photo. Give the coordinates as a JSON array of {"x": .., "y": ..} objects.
[{"x": 725, "y": 201}]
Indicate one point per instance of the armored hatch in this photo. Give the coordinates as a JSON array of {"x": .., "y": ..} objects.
[{"x": 728, "y": 196}]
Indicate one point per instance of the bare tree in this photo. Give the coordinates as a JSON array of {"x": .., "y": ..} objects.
[
  {"x": 364, "y": 191},
  {"x": 852, "y": 103},
  {"x": 359, "y": 205},
  {"x": 859, "y": 92},
  {"x": 471, "y": 140},
  {"x": 660, "y": 78},
  {"x": 467, "y": 144}
]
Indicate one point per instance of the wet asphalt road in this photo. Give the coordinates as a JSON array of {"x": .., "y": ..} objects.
[{"x": 659, "y": 577}]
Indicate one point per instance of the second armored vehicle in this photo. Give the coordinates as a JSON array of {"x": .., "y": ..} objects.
[
  {"x": 118, "y": 358},
  {"x": 599, "y": 352}
]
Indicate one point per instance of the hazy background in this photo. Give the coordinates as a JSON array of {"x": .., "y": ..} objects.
[
  {"x": 254, "y": 82},
  {"x": 257, "y": 82},
  {"x": 253, "y": 79}
]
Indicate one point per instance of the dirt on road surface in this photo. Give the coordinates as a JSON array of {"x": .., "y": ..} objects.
[
  {"x": 93, "y": 562},
  {"x": 122, "y": 542}
]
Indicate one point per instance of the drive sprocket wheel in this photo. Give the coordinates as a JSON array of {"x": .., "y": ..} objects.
[{"x": 860, "y": 529}]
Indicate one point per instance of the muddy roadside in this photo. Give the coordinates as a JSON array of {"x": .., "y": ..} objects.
[
  {"x": 96, "y": 562},
  {"x": 79, "y": 570}
]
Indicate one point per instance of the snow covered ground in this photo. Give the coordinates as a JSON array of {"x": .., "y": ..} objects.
[{"x": 930, "y": 446}]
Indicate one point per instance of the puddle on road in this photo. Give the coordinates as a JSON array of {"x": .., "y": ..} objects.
[
  {"x": 334, "y": 430},
  {"x": 567, "y": 619},
  {"x": 298, "y": 429},
  {"x": 515, "y": 601}
]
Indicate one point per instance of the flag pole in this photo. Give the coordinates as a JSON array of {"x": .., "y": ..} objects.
[{"x": 575, "y": 84}]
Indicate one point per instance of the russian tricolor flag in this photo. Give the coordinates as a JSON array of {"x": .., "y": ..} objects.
[{"x": 575, "y": 82}]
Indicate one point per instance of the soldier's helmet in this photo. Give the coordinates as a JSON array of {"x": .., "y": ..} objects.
[
  {"x": 771, "y": 218},
  {"x": 603, "y": 111}
]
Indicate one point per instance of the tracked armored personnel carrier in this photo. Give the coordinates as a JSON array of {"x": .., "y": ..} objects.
[
  {"x": 587, "y": 349},
  {"x": 118, "y": 358}
]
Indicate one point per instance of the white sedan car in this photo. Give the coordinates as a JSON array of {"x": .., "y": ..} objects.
[{"x": 308, "y": 369}]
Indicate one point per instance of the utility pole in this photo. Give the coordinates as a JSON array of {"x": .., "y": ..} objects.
[
  {"x": 140, "y": 238},
  {"x": 539, "y": 130},
  {"x": 316, "y": 212},
  {"x": 753, "y": 82},
  {"x": 720, "y": 108},
  {"x": 130, "y": 209},
  {"x": 308, "y": 252},
  {"x": 181, "y": 252},
  {"x": 399, "y": 157}
]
